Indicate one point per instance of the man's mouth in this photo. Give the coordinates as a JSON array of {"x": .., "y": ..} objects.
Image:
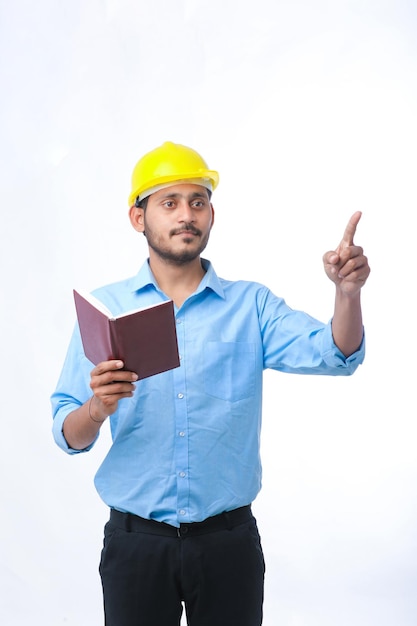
[{"x": 186, "y": 230}]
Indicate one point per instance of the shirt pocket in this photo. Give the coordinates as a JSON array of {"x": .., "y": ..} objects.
[{"x": 229, "y": 370}]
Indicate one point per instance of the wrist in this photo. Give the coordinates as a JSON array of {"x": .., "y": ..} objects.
[{"x": 91, "y": 415}]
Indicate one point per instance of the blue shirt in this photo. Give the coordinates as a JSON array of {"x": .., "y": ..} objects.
[{"x": 186, "y": 445}]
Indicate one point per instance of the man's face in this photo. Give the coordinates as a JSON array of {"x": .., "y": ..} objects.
[{"x": 177, "y": 222}]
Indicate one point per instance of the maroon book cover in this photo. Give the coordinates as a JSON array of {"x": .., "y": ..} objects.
[{"x": 145, "y": 339}]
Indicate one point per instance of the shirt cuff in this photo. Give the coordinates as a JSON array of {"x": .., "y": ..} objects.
[
  {"x": 57, "y": 430},
  {"x": 335, "y": 358}
]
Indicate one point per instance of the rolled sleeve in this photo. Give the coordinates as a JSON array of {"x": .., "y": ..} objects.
[
  {"x": 58, "y": 434},
  {"x": 334, "y": 358},
  {"x": 71, "y": 392}
]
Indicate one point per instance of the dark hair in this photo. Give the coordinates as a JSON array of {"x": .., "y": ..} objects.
[{"x": 141, "y": 204}]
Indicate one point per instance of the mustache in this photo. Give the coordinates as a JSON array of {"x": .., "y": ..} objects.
[{"x": 186, "y": 227}]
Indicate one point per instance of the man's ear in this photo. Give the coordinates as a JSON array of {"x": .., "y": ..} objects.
[
  {"x": 212, "y": 215},
  {"x": 136, "y": 215}
]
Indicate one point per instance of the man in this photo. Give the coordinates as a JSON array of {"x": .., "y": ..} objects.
[{"x": 184, "y": 466}]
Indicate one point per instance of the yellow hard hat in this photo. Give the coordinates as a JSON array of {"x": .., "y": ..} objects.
[{"x": 167, "y": 164}]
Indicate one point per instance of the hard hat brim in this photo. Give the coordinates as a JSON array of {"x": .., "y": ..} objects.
[{"x": 208, "y": 175}]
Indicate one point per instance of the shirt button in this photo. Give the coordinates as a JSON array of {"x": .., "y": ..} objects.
[
  {"x": 181, "y": 433},
  {"x": 180, "y": 396},
  {"x": 182, "y": 474},
  {"x": 179, "y": 321},
  {"x": 181, "y": 512}
]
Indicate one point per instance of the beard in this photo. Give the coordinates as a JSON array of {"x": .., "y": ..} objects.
[{"x": 189, "y": 253}]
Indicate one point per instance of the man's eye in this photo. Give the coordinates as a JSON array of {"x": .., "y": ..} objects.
[{"x": 169, "y": 204}]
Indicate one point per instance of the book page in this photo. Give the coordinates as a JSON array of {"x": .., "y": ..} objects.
[{"x": 102, "y": 307}]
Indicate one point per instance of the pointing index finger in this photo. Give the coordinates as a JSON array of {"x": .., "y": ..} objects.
[{"x": 350, "y": 229}]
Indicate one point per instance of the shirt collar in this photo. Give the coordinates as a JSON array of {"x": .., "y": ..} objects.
[
  {"x": 210, "y": 280},
  {"x": 143, "y": 278}
]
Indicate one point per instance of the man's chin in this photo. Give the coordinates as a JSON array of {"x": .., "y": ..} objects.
[
  {"x": 182, "y": 253},
  {"x": 186, "y": 256},
  {"x": 178, "y": 258}
]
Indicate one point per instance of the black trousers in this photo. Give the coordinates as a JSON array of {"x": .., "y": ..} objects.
[{"x": 214, "y": 568}]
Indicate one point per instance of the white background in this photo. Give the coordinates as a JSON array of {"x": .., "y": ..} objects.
[{"x": 308, "y": 111}]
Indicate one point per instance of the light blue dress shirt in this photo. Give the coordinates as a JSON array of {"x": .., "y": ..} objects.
[{"x": 186, "y": 445}]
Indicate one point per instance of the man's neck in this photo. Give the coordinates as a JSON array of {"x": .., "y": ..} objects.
[{"x": 178, "y": 282}]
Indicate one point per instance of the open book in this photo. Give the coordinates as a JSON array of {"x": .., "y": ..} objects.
[{"x": 145, "y": 339}]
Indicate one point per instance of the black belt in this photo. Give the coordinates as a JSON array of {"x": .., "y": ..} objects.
[{"x": 223, "y": 521}]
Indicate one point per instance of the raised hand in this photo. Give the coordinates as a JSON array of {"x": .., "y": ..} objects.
[{"x": 347, "y": 266}]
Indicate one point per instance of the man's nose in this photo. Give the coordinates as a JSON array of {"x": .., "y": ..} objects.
[{"x": 185, "y": 213}]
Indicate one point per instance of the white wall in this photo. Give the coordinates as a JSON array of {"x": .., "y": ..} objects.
[{"x": 308, "y": 110}]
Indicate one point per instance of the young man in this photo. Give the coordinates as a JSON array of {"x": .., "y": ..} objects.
[{"x": 184, "y": 466}]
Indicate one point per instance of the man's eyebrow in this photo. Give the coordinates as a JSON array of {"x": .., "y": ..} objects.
[
  {"x": 176, "y": 195},
  {"x": 199, "y": 194}
]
